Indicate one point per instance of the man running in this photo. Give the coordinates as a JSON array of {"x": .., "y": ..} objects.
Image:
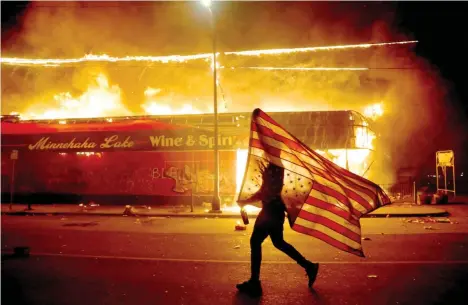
[{"x": 270, "y": 222}]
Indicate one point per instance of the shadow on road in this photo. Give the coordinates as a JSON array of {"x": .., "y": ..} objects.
[
  {"x": 242, "y": 299},
  {"x": 81, "y": 224}
]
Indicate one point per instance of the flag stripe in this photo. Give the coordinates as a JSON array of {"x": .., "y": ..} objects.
[
  {"x": 333, "y": 222},
  {"x": 342, "y": 194},
  {"x": 316, "y": 199},
  {"x": 314, "y": 166},
  {"x": 327, "y": 238},
  {"x": 273, "y": 151},
  {"x": 331, "y": 199},
  {"x": 268, "y": 132},
  {"x": 280, "y": 162},
  {"x": 357, "y": 209},
  {"x": 327, "y": 230}
]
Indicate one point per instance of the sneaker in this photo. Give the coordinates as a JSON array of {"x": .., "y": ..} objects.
[
  {"x": 311, "y": 272},
  {"x": 251, "y": 288}
]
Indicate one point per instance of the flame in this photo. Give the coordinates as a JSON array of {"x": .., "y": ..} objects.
[
  {"x": 157, "y": 106},
  {"x": 374, "y": 111},
  {"x": 185, "y": 58},
  {"x": 99, "y": 100},
  {"x": 236, "y": 209},
  {"x": 304, "y": 68}
]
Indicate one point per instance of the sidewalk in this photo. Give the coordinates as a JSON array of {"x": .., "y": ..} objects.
[{"x": 392, "y": 210}]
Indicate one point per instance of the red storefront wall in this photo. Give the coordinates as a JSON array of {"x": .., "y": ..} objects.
[{"x": 117, "y": 177}]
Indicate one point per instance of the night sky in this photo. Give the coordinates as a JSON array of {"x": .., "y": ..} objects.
[{"x": 438, "y": 26}]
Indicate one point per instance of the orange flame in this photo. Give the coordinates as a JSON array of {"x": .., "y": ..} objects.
[{"x": 185, "y": 58}]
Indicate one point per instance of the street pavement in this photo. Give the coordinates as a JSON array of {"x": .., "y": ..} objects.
[
  {"x": 93, "y": 209},
  {"x": 160, "y": 260}
]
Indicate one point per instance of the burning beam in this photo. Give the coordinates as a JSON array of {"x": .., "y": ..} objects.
[
  {"x": 184, "y": 58},
  {"x": 304, "y": 68},
  {"x": 315, "y": 49}
]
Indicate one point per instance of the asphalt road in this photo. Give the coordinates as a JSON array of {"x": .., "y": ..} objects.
[{"x": 121, "y": 260}]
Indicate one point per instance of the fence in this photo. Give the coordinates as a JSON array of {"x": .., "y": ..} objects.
[{"x": 400, "y": 192}]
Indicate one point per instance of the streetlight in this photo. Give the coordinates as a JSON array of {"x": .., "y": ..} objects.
[{"x": 216, "y": 203}]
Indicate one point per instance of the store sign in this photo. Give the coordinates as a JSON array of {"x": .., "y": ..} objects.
[{"x": 142, "y": 141}]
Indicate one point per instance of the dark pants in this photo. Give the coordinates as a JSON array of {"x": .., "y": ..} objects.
[{"x": 270, "y": 224}]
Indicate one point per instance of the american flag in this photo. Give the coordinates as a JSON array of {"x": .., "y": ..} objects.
[{"x": 322, "y": 199}]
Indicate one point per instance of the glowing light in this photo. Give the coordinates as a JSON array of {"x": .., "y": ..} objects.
[
  {"x": 86, "y": 153},
  {"x": 102, "y": 58},
  {"x": 315, "y": 49},
  {"x": 236, "y": 209},
  {"x": 206, "y": 3},
  {"x": 241, "y": 163},
  {"x": 364, "y": 137},
  {"x": 356, "y": 158},
  {"x": 374, "y": 111},
  {"x": 100, "y": 100},
  {"x": 54, "y": 62},
  {"x": 155, "y": 105},
  {"x": 303, "y": 68}
]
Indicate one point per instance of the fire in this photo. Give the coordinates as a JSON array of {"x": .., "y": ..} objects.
[
  {"x": 185, "y": 58},
  {"x": 304, "y": 68},
  {"x": 374, "y": 111},
  {"x": 155, "y": 106},
  {"x": 236, "y": 209},
  {"x": 100, "y": 100}
]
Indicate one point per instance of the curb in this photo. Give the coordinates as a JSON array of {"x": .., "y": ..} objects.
[{"x": 198, "y": 215}]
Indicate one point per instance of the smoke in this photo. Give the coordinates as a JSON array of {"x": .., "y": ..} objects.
[{"x": 413, "y": 95}]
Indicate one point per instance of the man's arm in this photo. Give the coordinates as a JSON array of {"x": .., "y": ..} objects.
[{"x": 255, "y": 197}]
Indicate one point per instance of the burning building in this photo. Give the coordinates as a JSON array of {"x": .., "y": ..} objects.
[{"x": 158, "y": 159}]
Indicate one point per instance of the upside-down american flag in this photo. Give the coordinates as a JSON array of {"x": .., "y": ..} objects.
[{"x": 322, "y": 199}]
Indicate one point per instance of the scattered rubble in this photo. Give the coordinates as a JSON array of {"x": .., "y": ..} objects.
[{"x": 429, "y": 220}]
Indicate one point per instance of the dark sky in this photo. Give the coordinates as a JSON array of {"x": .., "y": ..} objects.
[{"x": 438, "y": 26}]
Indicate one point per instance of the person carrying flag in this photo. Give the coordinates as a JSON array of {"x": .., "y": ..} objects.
[
  {"x": 270, "y": 222},
  {"x": 320, "y": 198}
]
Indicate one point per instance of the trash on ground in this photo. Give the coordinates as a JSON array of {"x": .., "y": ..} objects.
[
  {"x": 237, "y": 247},
  {"x": 372, "y": 276},
  {"x": 429, "y": 228},
  {"x": 63, "y": 218},
  {"x": 443, "y": 220},
  {"x": 365, "y": 238}
]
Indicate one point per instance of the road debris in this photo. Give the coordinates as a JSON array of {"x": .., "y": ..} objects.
[
  {"x": 372, "y": 276},
  {"x": 429, "y": 228},
  {"x": 129, "y": 211},
  {"x": 428, "y": 220},
  {"x": 365, "y": 238},
  {"x": 237, "y": 247}
]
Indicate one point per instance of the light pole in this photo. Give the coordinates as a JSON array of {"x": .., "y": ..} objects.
[{"x": 216, "y": 202}]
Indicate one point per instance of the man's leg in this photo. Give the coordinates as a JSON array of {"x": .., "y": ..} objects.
[
  {"x": 253, "y": 287},
  {"x": 276, "y": 235},
  {"x": 259, "y": 234}
]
